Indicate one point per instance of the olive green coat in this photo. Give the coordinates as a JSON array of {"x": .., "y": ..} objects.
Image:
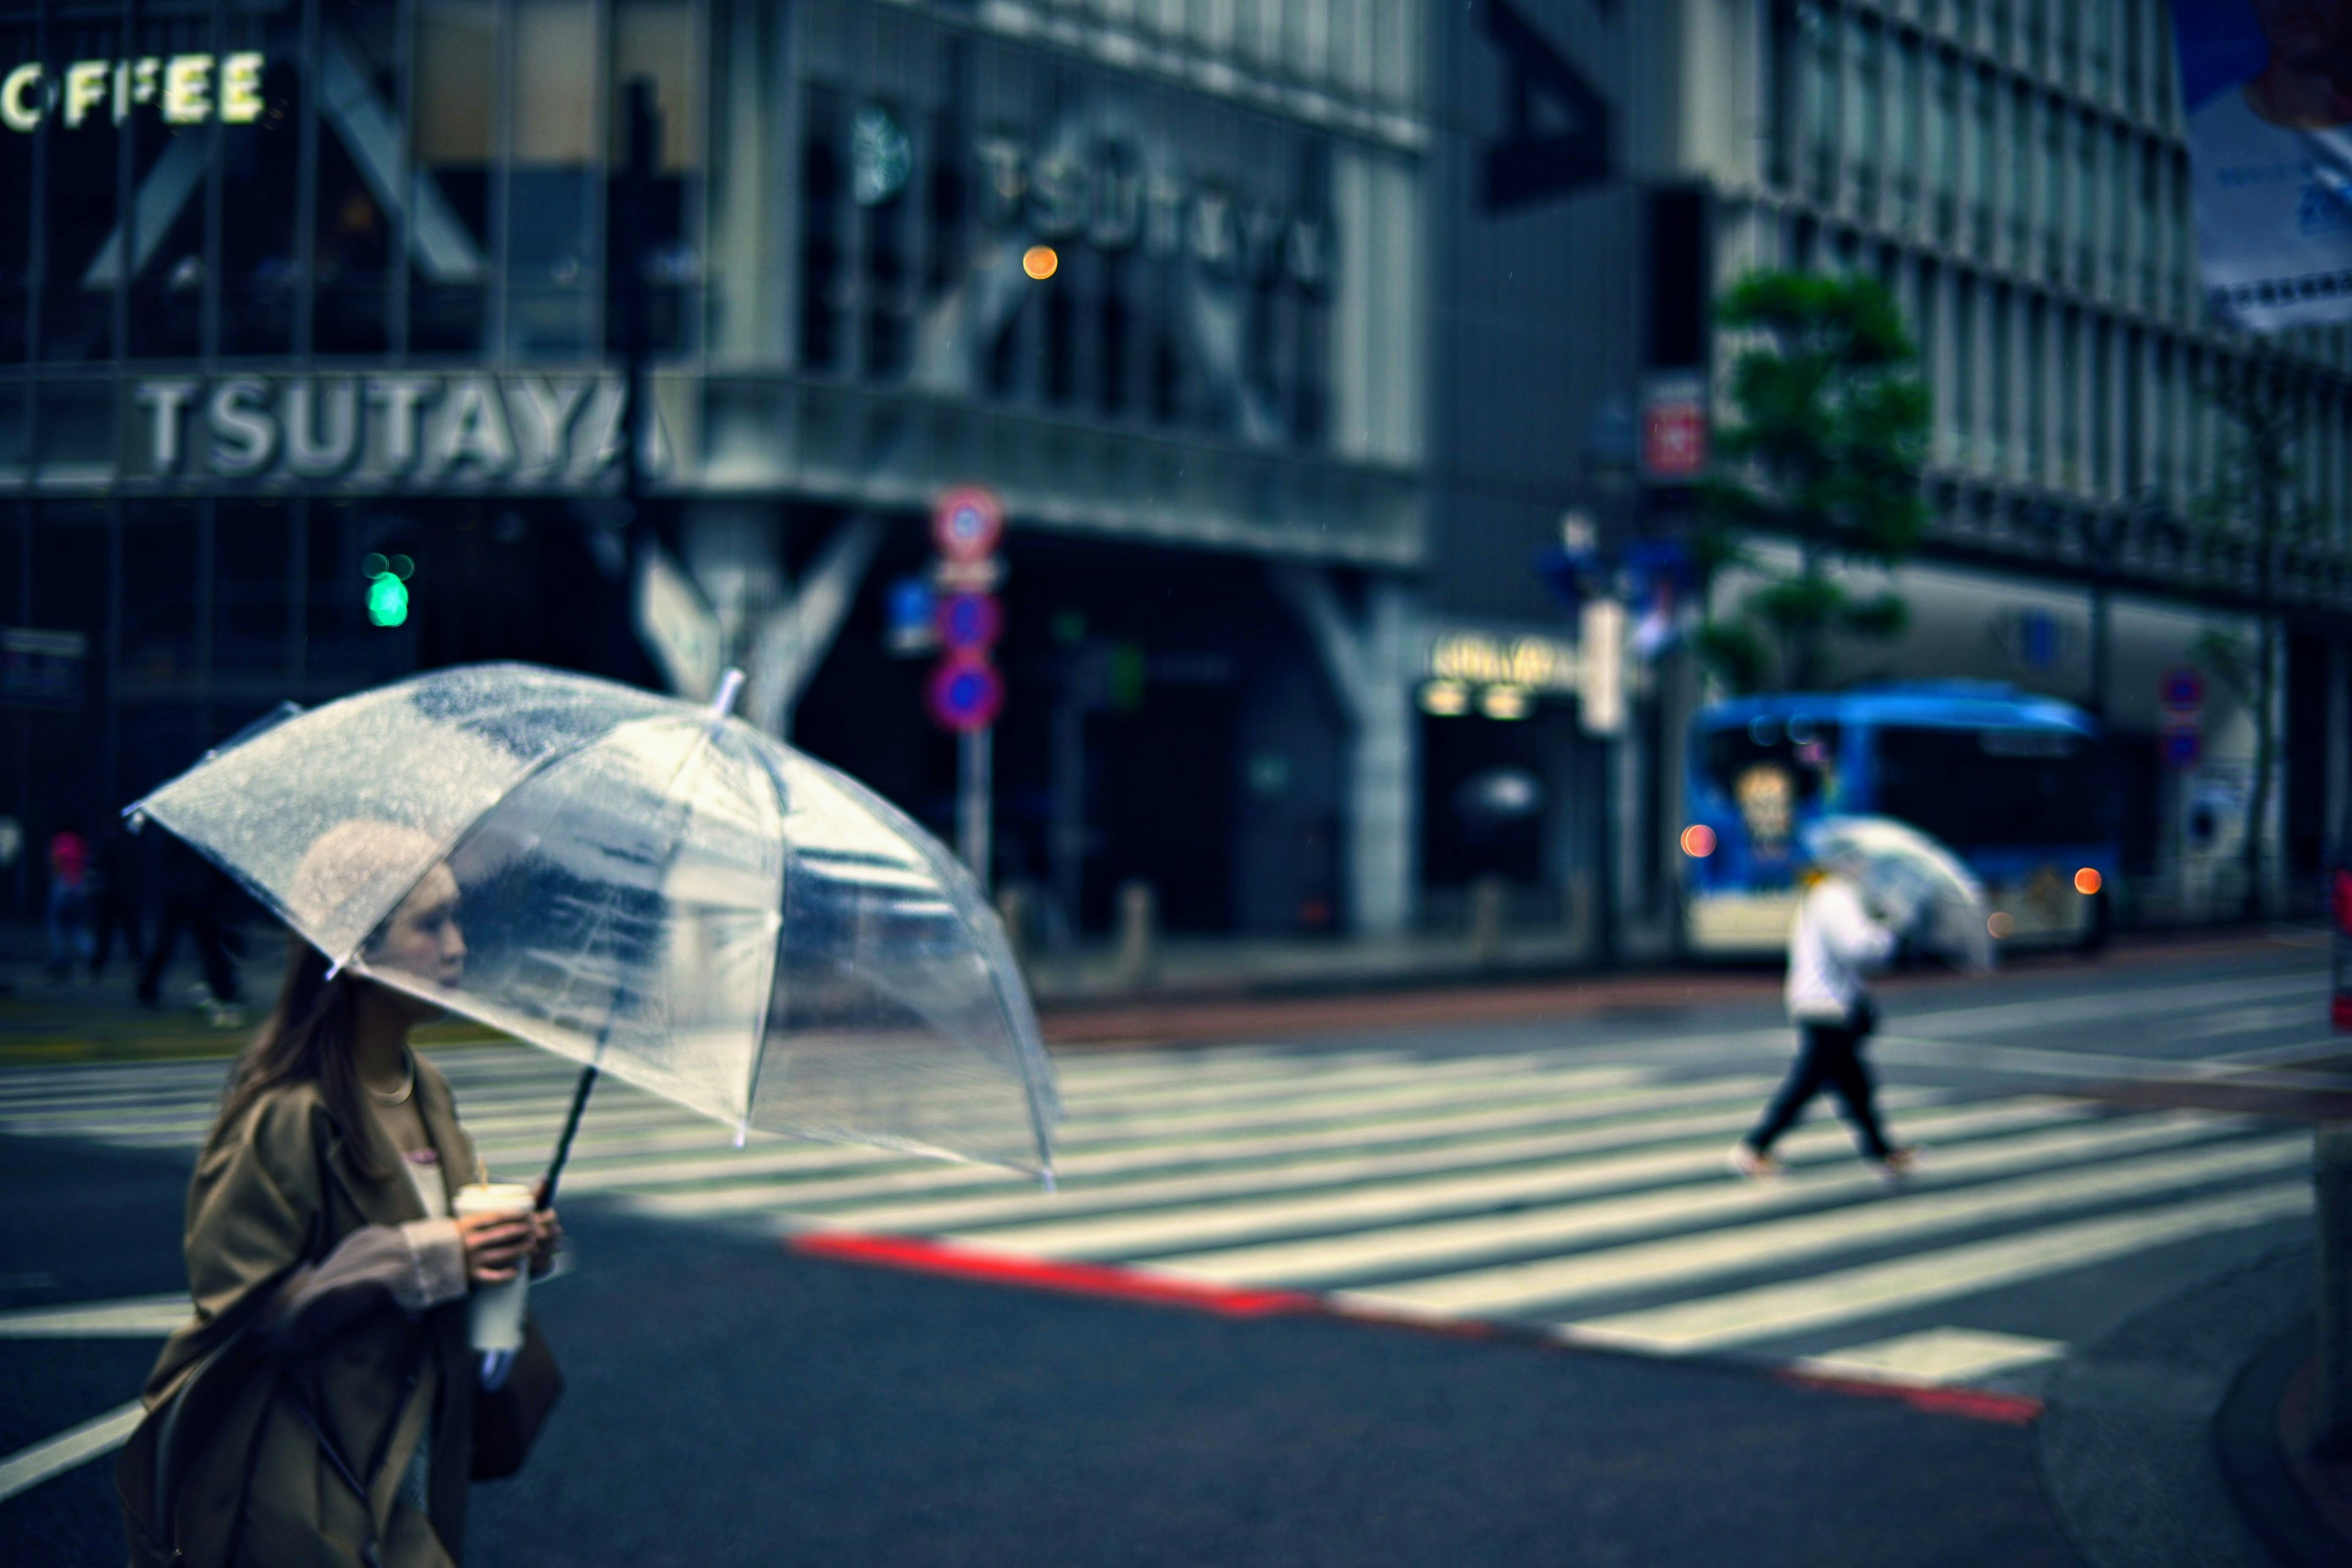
[{"x": 355, "y": 1299}]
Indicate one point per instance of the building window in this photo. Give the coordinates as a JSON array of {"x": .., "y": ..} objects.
[
  {"x": 1865, "y": 135},
  {"x": 823, "y": 192},
  {"x": 457, "y": 143},
  {"x": 1823, "y": 60},
  {"x": 1902, "y": 130},
  {"x": 2000, "y": 409},
  {"x": 1985, "y": 147},
  {"x": 2101, "y": 391},
  {"x": 2069, "y": 378},
  {"x": 2053, "y": 187},
  {"x": 2037, "y": 390},
  {"x": 2018, "y": 153},
  {"x": 1943, "y": 141},
  {"x": 554, "y": 187},
  {"x": 1964, "y": 369}
]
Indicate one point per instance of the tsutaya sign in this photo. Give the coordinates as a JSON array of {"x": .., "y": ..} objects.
[
  {"x": 554, "y": 430},
  {"x": 187, "y": 90}
]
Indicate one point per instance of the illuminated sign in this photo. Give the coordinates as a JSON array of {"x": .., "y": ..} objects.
[
  {"x": 553, "y": 431},
  {"x": 185, "y": 89},
  {"x": 1482, "y": 659}
]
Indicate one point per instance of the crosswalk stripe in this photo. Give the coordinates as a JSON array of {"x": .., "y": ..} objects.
[
  {"x": 1411, "y": 1252},
  {"x": 31, "y": 1465},
  {"x": 2050, "y": 1016},
  {"x": 1772, "y": 1311},
  {"x": 136, "y": 1318},
  {"x": 1680, "y": 1259},
  {"x": 1576, "y": 1185},
  {"x": 1392, "y": 1202},
  {"x": 1166, "y": 1170}
]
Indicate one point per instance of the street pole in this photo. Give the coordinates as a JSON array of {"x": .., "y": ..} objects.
[
  {"x": 975, "y": 762},
  {"x": 628, "y": 262}
]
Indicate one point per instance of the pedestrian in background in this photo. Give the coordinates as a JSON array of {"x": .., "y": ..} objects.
[
  {"x": 196, "y": 898},
  {"x": 68, "y": 913},
  {"x": 336, "y": 1425},
  {"x": 115, "y": 898},
  {"x": 1836, "y": 938}
]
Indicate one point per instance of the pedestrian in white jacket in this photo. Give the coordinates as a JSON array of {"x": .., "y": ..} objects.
[{"x": 1835, "y": 940}]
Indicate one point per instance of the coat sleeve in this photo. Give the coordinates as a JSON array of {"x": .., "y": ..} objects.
[
  {"x": 257, "y": 1201},
  {"x": 1852, "y": 935}
]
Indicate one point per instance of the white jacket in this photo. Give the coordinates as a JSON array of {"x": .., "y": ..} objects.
[{"x": 1831, "y": 942}]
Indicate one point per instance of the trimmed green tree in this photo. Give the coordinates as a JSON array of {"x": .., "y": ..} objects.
[{"x": 1825, "y": 443}]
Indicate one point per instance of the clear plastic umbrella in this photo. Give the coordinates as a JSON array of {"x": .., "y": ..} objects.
[
  {"x": 1916, "y": 882},
  {"x": 647, "y": 887}
]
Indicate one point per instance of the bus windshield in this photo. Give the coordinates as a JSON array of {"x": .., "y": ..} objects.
[{"x": 1994, "y": 788}]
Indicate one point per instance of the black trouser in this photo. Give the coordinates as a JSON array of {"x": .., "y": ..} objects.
[
  {"x": 113, "y": 914},
  {"x": 1828, "y": 1055},
  {"x": 204, "y": 928}
]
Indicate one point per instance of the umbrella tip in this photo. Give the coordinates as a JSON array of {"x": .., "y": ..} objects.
[
  {"x": 1047, "y": 1176},
  {"x": 731, "y": 687}
]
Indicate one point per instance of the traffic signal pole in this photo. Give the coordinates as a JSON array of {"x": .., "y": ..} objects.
[{"x": 631, "y": 206}]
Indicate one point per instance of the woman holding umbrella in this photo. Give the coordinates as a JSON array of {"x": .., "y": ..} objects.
[
  {"x": 652, "y": 889},
  {"x": 327, "y": 1278}
]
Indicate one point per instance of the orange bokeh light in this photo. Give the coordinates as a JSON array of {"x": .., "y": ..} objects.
[
  {"x": 1040, "y": 262},
  {"x": 1699, "y": 841},
  {"x": 2086, "y": 880}
]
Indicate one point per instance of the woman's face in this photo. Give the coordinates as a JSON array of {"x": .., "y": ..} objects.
[{"x": 423, "y": 938}]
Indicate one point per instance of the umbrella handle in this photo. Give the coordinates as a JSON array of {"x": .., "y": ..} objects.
[{"x": 563, "y": 1143}]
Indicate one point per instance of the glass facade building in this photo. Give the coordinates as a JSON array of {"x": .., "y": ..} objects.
[{"x": 298, "y": 296}]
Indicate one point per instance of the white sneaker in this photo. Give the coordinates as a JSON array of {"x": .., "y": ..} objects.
[
  {"x": 1746, "y": 1162},
  {"x": 1897, "y": 1168}
]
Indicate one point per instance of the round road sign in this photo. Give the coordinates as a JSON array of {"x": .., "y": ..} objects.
[
  {"x": 970, "y": 622},
  {"x": 966, "y": 522},
  {"x": 2182, "y": 748},
  {"x": 2183, "y": 690},
  {"x": 966, "y": 693}
]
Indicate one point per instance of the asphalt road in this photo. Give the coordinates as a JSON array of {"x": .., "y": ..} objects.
[
  {"x": 729, "y": 1403},
  {"x": 734, "y": 1401}
]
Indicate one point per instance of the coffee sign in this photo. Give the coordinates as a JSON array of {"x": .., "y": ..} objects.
[
  {"x": 187, "y": 90},
  {"x": 558, "y": 430}
]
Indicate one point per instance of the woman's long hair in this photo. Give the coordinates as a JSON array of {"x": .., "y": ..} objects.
[{"x": 308, "y": 1038}]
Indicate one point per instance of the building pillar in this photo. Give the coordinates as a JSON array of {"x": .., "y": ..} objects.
[
  {"x": 1369, "y": 659},
  {"x": 735, "y": 553},
  {"x": 785, "y": 648}
]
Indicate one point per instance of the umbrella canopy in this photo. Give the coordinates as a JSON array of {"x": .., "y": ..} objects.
[
  {"x": 646, "y": 887},
  {"x": 1919, "y": 883}
]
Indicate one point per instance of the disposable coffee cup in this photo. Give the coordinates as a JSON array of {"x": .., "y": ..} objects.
[{"x": 495, "y": 1312}]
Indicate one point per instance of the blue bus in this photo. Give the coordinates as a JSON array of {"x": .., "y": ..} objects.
[{"x": 2019, "y": 785}]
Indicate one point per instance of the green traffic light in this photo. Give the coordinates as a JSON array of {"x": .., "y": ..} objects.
[{"x": 387, "y": 601}]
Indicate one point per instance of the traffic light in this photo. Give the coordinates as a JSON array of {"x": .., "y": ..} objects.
[{"x": 387, "y": 587}]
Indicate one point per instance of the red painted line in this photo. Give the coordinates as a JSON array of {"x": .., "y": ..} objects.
[
  {"x": 1074, "y": 1278},
  {"x": 1973, "y": 1404},
  {"x": 921, "y": 1256}
]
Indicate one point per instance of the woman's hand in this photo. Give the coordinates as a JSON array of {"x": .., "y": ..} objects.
[
  {"x": 496, "y": 1244},
  {"x": 547, "y": 1235}
]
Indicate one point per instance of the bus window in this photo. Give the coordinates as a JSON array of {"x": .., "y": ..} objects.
[
  {"x": 1994, "y": 788},
  {"x": 1771, "y": 770}
]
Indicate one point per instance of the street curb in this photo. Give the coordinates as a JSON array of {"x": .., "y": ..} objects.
[
  {"x": 2128, "y": 1446},
  {"x": 2251, "y": 1447},
  {"x": 922, "y": 1255}
]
